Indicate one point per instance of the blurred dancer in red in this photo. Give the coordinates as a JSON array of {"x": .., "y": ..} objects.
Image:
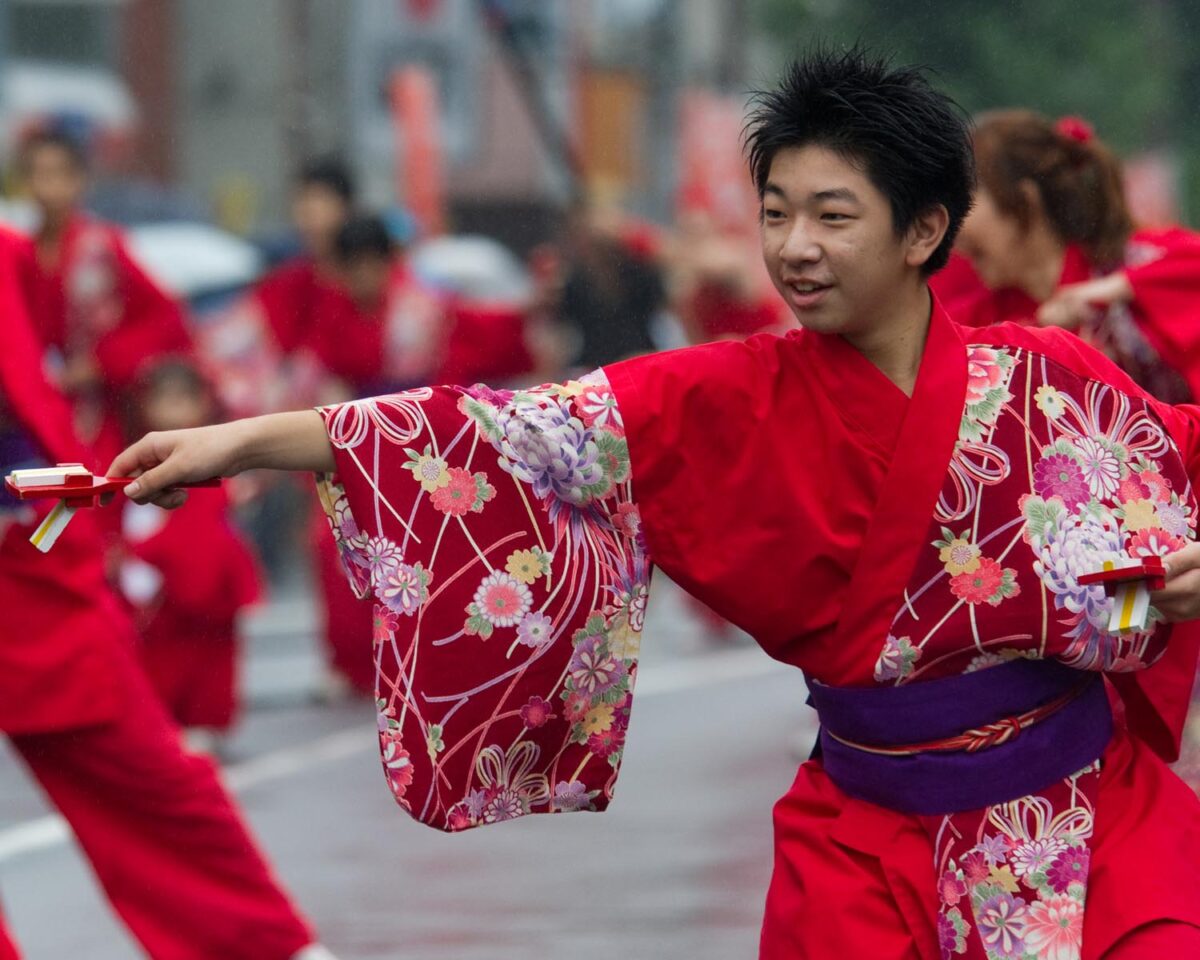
[
  {"x": 292, "y": 294},
  {"x": 188, "y": 611},
  {"x": 164, "y": 839},
  {"x": 91, "y": 302},
  {"x": 1052, "y": 243}
]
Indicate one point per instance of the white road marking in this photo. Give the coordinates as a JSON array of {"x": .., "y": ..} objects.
[{"x": 655, "y": 679}]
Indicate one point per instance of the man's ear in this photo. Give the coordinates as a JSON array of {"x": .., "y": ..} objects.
[{"x": 925, "y": 234}]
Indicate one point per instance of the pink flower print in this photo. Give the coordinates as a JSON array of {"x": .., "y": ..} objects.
[
  {"x": 1173, "y": 518},
  {"x": 1070, "y": 866},
  {"x": 502, "y": 599},
  {"x": 951, "y": 888},
  {"x": 577, "y": 707},
  {"x": 980, "y": 586},
  {"x": 593, "y": 669},
  {"x": 607, "y": 743},
  {"x": 994, "y": 849},
  {"x": 983, "y": 373},
  {"x": 404, "y": 588},
  {"x": 975, "y": 867},
  {"x": 459, "y": 818},
  {"x": 535, "y": 630},
  {"x": 384, "y": 624},
  {"x": 896, "y": 660},
  {"x": 396, "y": 763},
  {"x": 458, "y": 496},
  {"x": 1154, "y": 543},
  {"x": 1001, "y": 920},
  {"x": 536, "y": 712},
  {"x": 1035, "y": 856},
  {"x": 1100, "y": 465},
  {"x": 572, "y": 796},
  {"x": 503, "y": 804},
  {"x": 597, "y": 407},
  {"x": 628, "y": 519},
  {"x": 1054, "y": 928},
  {"x": 1059, "y": 475}
]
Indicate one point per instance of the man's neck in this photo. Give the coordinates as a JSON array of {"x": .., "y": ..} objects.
[{"x": 897, "y": 344}]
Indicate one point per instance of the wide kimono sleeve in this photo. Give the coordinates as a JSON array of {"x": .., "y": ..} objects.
[
  {"x": 496, "y": 536},
  {"x": 1156, "y": 699}
]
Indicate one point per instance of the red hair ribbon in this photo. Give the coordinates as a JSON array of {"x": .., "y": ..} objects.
[{"x": 1075, "y": 128}]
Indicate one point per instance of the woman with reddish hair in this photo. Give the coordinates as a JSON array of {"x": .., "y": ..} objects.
[{"x": 1052, "y": 243}]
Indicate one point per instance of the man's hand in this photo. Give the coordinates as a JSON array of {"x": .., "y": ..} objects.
[
  {"x": 280, "y": 441},
  {"x": 164, "y": 459},
  {"x": 1180, "y": 597}
]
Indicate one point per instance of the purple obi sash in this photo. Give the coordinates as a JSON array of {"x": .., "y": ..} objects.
[{"x": 1064, "y": 742}]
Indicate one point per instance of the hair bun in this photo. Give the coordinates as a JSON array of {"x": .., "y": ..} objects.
[{"x": 1075, "y": 128}]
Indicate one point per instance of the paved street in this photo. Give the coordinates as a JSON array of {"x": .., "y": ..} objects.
[{"x": 677, "y": 868}]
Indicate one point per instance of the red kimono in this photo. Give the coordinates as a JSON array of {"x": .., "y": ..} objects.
[
  {"x": 96, "y": 300},
  {"x": 871, "y": 539},
  {"x": 1155, "y": 338},
  {"x": 60, "y": 617},
  {"x": 292, "y": 297},
  {"x": 162, "y": 836},
  {"x": 188, "y": 609}
]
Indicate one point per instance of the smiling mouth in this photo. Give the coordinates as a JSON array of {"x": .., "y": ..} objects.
[{"x": 808, "y": 289}]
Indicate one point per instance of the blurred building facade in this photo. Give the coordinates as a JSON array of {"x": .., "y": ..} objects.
[{"x": 539, "y": 102}]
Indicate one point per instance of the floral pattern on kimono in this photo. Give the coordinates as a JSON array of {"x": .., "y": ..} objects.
[
  {"x": 1052, "y": 475},
  {"x": 509, "y": 577}
]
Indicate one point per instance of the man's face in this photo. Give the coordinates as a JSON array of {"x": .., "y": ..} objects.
[
  {"x": 54, "y": 179},
  {"x": 828, "y": 241},
  {"x": 318, "y": 213}
]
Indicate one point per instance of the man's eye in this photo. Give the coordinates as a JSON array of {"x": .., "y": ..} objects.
[
  {"x": 833, "y": 217},
  {"x": 771, "y": 214}
]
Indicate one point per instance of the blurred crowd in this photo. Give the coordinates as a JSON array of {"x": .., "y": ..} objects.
[
  {"x": 362, "y": 307},
  {"x": 367, "y": 305}
]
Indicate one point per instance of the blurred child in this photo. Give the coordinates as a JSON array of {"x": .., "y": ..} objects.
[
  {"x": 187, "y": 610},
  {"x": 90, "y": 300}
]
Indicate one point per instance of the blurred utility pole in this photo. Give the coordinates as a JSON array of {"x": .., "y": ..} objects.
[
  {"x": 297, "y": 125},
  {"x": 666, "y": 83},
  {"x": 518, "y": 45},
  {"x": 731, "y": 68}
]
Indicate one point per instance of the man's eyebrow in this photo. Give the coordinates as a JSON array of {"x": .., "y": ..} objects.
[
  {"x": 838, "y": 193},
  {"x": 775, "y": 191}
]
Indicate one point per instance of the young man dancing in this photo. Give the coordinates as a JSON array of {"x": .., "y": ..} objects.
[{"x": 897, "y": 506}]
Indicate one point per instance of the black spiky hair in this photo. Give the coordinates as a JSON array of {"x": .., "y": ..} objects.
[{"x": 912, "y": 141}]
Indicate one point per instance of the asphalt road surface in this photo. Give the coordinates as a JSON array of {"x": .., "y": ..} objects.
[{"x": 677, "y": 868}]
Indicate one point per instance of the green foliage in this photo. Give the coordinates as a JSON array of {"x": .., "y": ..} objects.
[{"x": 1125, "y": 65}]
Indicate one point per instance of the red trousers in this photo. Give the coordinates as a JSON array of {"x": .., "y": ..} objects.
[{"x": 173, "y": 855}]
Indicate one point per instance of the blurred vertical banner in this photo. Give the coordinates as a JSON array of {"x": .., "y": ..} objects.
[
  {"x": 419, "y": 147},
  {"x": 712, "y": 171}
]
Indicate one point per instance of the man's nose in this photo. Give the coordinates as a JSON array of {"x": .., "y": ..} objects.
[{"x": 800, "y": 246}]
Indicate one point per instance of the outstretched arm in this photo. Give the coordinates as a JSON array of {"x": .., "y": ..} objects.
[{"x": 280, "y": 441}]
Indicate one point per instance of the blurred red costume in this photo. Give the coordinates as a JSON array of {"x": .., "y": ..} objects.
[
  {"x": 189, "y": 642},
  {"x": 163, "y": 837},
  {"x": 1163, "y": 268},
  {"x": 94, "y": 299}
]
